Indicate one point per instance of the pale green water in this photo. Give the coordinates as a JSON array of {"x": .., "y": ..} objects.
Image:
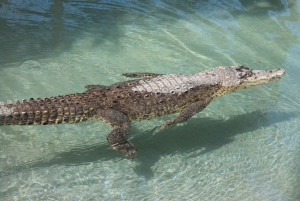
[{"x": 243, "y": 146}]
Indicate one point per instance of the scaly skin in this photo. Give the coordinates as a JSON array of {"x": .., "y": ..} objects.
[{"x": 152, "y": 96}]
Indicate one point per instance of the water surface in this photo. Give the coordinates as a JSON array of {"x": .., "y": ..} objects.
[{"x": 243, "y": 146}]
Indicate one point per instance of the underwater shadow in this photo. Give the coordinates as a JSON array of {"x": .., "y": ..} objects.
[
  {"x": 74, "y": 157},
  {"x": 202, "y": 132},
  {"x": 199, "y": 133}
]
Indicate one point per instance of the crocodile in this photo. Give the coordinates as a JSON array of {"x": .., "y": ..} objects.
[{"x": 148, "y": 96}]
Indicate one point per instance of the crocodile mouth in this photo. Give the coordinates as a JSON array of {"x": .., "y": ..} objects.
[{"x": 258, "y": 77}]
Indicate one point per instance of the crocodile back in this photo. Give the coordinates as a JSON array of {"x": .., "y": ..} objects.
[
  {"x": 149, "y": 98},
  {"x": 138, "y": 99}
]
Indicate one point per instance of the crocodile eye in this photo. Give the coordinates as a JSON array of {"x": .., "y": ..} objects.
[{"x": 249, "y": 74}]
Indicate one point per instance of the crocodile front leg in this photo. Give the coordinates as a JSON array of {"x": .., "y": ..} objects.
[
  {"x": 188, "y": 112},
  {"x": 117, "y": 138}
]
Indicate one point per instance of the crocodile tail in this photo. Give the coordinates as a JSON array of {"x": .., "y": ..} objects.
[
  {"x": 5, "y": 113},
  {"x": 14, "y": 114},
  {"x": 54, "y": 110}
]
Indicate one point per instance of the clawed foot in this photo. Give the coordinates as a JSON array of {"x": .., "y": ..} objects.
[
  {"x": 126, "y": 148},
  {"x": 165, "y": 125}
]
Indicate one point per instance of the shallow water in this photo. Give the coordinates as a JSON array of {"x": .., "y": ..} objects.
[{"x": 243, "y": 146}]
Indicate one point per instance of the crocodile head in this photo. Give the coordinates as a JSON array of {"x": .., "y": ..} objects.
[
  {"x": 249, "y": 77},
  {"x": 234, "y": 77}
]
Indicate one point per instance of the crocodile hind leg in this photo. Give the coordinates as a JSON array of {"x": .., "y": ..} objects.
[
  {"x": 188, "y": 112},
  {"x": 117, "y": 138},
  {"x": 141, "y": 75}
]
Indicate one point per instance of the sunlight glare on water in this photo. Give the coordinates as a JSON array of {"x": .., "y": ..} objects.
[{"x": 243, "y": 146}]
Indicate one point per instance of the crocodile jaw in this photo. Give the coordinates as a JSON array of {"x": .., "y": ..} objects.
[{"x": 258, "y": 77}]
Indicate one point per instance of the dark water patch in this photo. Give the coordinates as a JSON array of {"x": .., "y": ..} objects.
[{"x": 39, "y": 29}]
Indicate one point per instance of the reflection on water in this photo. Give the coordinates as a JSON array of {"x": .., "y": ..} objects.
[{"x": 244, "y": 146}]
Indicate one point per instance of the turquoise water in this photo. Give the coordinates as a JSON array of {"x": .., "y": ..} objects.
[{"x": 243, "y": 146}]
